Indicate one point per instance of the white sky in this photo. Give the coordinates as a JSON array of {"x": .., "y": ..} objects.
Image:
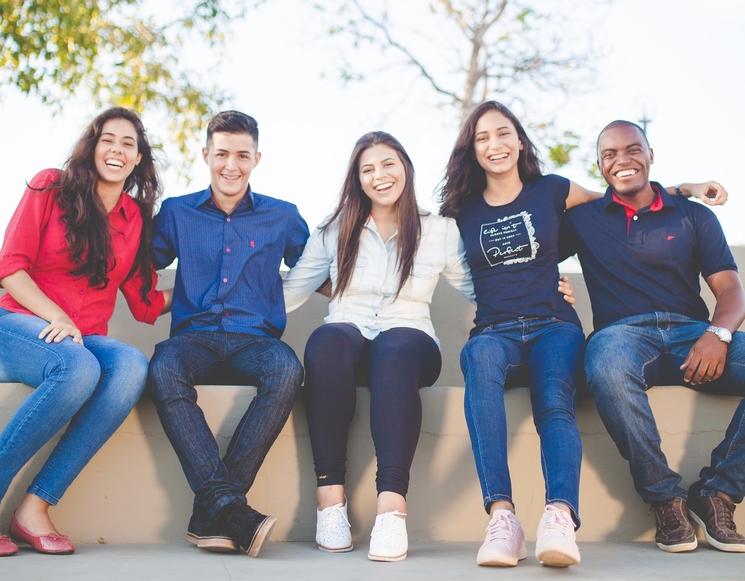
[{"x": 681, "y": 61}]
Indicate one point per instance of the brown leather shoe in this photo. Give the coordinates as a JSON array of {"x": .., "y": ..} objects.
[
  {"x": 675, "y": 533},
  {"x": 714, "y": 515}
]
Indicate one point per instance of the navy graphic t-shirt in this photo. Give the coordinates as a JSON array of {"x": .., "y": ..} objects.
[{"x": 513, "y": 253}]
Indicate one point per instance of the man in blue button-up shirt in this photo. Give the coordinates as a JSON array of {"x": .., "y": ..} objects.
[{"x": 227, "y": 318}]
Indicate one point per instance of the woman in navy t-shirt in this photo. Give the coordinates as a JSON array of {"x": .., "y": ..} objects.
[{"x": 509, "y": 216}]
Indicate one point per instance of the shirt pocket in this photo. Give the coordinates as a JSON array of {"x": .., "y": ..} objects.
[
  {"x": 422, "y": 282},
  {"x": 664, "y": 247}
]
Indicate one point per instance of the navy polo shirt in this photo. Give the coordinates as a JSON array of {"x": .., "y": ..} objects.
[
  {"x": 512, "y": 251},
  {"x": 649, "y": 263},
  {"x": 228, "y": 264}
]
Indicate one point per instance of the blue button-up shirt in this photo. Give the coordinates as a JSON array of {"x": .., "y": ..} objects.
[{"x": 228, "y": 264}]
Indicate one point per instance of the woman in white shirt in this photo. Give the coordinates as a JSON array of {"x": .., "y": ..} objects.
[{"x": 384, "y": 256}]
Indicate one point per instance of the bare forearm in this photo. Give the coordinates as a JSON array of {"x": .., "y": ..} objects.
[
  {"x": 27, "y": 293},
  {"x": 730, "y": 309}
]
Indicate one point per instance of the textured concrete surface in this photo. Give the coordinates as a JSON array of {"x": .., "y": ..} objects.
[{"x": 302, "y": 561}]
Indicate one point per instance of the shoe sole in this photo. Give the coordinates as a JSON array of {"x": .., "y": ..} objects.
[
  {"x": 556, "y": 559},
  {"x": 386, "y": 558},
  {"x": 214, "y": 544},
  {"x": 505, "y": 560},
  {"x": 679, "y": 548},
  {"x": 260, "y": 536},
  {"x": 330, "y": 550},
  {"x": 727, "y": 548}
]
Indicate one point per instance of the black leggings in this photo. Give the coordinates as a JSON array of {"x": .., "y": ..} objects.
[{"x": 394, "y": 365}]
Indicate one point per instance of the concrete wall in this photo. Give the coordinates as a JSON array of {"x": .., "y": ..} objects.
[{"x": 134, "y": 490}]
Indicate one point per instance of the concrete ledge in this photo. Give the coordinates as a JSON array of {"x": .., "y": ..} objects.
[{"x": 134, "y": 491}]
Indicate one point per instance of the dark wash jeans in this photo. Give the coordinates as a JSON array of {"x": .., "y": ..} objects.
[
  {"x": 551, "y": 352},
  {"x": 218, "y": 357},
  {"x": 626, "y": 358}
]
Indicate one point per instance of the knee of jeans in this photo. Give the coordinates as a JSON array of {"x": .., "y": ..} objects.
[
  {"x": 483, "y": 355},
  {"x": 162, "y": 377},
  {"x": 553, "y": 413},
  {"x": 79, "y": 370}
]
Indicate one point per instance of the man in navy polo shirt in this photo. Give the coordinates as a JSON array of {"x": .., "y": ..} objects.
[
  {"x": 227, "y": 318},
  {"x": 642, "y": 252}
]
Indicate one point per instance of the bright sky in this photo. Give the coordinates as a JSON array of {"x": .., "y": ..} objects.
[{"x": 680, "y": 61}]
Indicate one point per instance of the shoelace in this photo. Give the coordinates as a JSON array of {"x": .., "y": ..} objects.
[
  {"x": 670, "y": 514},
  {"x": 500, "y": 528},
  {"x": 556, "y": 520},
  {"x": 724, "y": 512},
  {"x": 393, "y": 517},
  {"x": 340, "y": 521}
]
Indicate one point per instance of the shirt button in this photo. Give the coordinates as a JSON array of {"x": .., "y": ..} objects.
[
  {"x": 227, "y": 250},
  {"x": 636, "y": 217},
  {"x": 225, "y": 279},
  {"x": 81, "y": 291}
]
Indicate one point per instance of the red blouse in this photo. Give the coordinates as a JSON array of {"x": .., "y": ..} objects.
[{"x": 35, "y": 242}]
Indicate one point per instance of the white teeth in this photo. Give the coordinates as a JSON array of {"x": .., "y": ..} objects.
[
  {"x": 383, "y": 187},
  {"x": 498, "y": 157},
  {"x": 114, "y": 163},
  {"x": 624, "y": 173}
]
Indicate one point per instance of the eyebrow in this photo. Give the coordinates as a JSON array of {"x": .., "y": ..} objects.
[
  {"x": 222, "y": 150},
  {"x": 110, "y": 134},
  {"x": 498, "y": 129},
  {"x": 635, "y": 144}
]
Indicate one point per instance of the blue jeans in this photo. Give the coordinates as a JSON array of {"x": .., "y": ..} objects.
[
  {"x": 92, "y": 386},
  {"x": 552, "y": 352},
  {"x": 217, "y": 357},
  {"x": 628, "y": 357}
]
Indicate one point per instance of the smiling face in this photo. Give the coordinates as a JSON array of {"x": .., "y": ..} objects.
[
  {"x": 116, "y": 153},
  {"x": 231, "y": 158},
  {"x": 496, "y": 144},
  {"x": 624, "y": 158},
  {"x": 382, "y": 175}
]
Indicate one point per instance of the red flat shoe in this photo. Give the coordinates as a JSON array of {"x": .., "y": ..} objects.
[
  {"x": 7, "y": 547},
  {"x": 48, "y": 544}
]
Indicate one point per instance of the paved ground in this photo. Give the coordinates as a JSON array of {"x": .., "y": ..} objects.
[{"x": 301, "y": 561}]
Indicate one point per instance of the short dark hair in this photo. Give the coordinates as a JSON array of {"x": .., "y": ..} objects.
[
  {"x": 233, "y": 122},
  {"x": 621, "y": 123}
]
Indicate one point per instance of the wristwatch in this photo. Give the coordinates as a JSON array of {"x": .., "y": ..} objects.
[{"x": 723, "y": 334}]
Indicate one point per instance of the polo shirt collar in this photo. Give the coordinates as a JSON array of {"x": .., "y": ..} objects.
[{"x": 664, "y": 198}]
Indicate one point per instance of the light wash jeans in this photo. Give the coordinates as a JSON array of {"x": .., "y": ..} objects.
[{"x": 92, "y": 386}]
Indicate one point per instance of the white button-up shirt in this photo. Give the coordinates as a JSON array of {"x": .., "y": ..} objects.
[{"x": 369, "y": 301}]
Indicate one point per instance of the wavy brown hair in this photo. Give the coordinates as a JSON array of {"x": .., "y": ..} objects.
[
  {"x": 354, "y": 208},
  {"x": 464, "y": 177},
  {"x": 86, "y": 222}
]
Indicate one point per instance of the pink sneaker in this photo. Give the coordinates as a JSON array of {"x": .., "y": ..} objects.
[
  {"x": 556, "y": 542},
  {"x": 504, "y": 543}
]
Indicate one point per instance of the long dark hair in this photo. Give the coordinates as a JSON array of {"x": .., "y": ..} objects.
[
  {"x": 354, "y": 209},
  {"x": 87, "y": 227},
  {"x": 464, "y": 176}
]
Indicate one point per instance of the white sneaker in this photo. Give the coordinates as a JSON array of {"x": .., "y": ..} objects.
[
  {"x": 556, "y": 542},
  {"x": 333, "y": 532},
  {"x": 504, "y": 543},
  {"x": 388, "y": 539}
]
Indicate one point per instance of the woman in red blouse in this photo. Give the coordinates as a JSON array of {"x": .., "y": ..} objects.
[{"x": 77, "y": 236}]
